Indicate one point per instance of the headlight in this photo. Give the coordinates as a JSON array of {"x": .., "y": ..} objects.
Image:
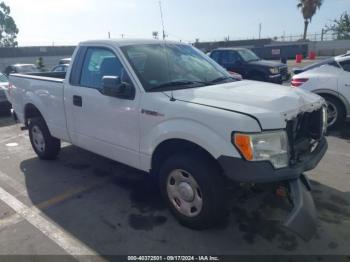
[
  {"x": 274, "y": 70},
  {"x": 270, "y": 146}
]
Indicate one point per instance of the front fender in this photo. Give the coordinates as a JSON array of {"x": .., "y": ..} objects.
[{"x": 192, "y": 131}]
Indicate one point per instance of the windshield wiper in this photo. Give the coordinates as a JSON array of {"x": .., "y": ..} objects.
[
  {"x": 219, "y": 79},
  {"x": 178, "y": 83}
]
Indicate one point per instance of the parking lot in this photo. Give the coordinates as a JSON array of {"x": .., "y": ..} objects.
[{"x": 86, "y": 204}]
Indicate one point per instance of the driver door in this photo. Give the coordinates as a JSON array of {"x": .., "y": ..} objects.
[
  {"x": 103, "y": 124},
  {"x": 231, "y": 61}
]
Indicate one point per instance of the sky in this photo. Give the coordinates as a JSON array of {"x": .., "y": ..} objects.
[{"x": 67, "y": 22}]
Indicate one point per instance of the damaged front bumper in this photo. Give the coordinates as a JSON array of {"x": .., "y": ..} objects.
[{"x": 302, "y": 220}]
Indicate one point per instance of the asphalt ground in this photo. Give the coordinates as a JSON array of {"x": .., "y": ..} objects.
[{"x": 84, "y": 204}]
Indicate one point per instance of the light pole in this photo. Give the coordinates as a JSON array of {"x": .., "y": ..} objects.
[{"x": 260, "y": 27}]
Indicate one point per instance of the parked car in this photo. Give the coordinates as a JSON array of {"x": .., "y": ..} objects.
[
  {"x": 5, "y": 105},
  {"x": 60, "y": 68},
  {"x": 65, "y": 61},
  {"x": 21, "y": 68},
  {"x": 246, "y": 63},
  {"x": 330, "y": 61},
  {"x": 169, "y": 110},
  {"x": 332, "y": 82}
]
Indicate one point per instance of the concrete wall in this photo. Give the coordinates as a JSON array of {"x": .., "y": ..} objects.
[
  {"x": 29, "y": 55},
  {"x": 330, "y": 48},
  {"x": 286, "y": 49}
]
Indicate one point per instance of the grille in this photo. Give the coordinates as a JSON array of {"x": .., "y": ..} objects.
[
  {"x": 304, "y": 132},
  {"x": 284, "y": 71}
]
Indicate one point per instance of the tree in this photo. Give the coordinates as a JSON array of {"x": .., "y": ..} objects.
[
  {"x": 155, "y": 34},
  {"x": 308, "y": 9},
  {"x": 8, "y": 27},
  {"x": 340, "y": 27}
]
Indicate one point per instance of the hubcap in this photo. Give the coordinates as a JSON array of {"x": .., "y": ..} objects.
[
  {"x": 184, "y": 193},
  {"x": 332, "y": 113},
  {"x": 38, "y": 139}
]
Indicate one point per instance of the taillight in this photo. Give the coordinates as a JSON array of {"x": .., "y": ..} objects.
[{"x": 296, "y": 82}]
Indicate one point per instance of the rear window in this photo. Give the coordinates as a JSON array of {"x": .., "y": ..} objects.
[
  {"x": 330, "y": 62},
  {"x": 346, "y": 65}
]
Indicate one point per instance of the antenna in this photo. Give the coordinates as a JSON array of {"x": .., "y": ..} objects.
[{"x": 161, "y": 16}]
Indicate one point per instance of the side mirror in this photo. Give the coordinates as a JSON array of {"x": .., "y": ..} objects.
[{"x": 113, "y": 86}]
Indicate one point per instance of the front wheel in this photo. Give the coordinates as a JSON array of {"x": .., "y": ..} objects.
[
  {"x": 336, "y": 113},
  {"x": 194, "y": 190},
  {"x": 45, "y": 146}
]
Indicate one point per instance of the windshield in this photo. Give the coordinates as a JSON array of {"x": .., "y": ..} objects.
[
  {"x": 173, "y": 66},
  {"x": 26, "y": 69},
  {"x": 248, "y": 55}
]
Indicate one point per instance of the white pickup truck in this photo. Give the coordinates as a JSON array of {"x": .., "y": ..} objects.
[{"x": 167, "y": 109}]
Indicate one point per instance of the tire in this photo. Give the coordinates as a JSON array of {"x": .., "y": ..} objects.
[
  {"x": 209, "y": 188},
  {"x": 335, "y": 108},
  {"x": 44, "y": 145}
]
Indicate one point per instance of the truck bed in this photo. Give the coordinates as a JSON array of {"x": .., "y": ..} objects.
[{"x": 46, "y": 91}]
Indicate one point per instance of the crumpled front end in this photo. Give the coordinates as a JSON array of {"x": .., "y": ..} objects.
[{"x": 302, "y": 220}]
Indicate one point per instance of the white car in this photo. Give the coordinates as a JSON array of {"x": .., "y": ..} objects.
[
  {"x": 168, "y": 109},
  {"x": 332, "y": 82}
]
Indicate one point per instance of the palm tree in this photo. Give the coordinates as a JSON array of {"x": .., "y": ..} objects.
[{"x": 308, "y": 9}]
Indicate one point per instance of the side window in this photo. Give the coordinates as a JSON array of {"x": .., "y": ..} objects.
[
  {"x": 229, "y": 57},
  {"x": 345, "y": 65},
  {"x": 335, "y": 64},
  {"x": 215, "y": 56},
  {"x": 100, "y": 62}
]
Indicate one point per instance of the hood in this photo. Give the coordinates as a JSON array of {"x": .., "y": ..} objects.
[
  {"x": 271, "y": 104},
  {"x": 266, "y": 63}
]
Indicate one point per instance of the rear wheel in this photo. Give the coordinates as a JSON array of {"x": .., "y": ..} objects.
[
  {"x": 45, "y": 146},
  {"x": 194, "y": 190},
  {"x": 336, "y": 112}
]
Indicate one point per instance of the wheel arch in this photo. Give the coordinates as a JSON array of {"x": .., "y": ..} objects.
[
  {"x": 172, "y": 146},
  {"x": 339, "y": 97},
  {"x": 30, "y": 111}
]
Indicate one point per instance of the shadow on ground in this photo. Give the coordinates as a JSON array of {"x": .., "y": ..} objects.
[
  {"x": 341, "y": 132},
  {"x": 122, "y": 213}
]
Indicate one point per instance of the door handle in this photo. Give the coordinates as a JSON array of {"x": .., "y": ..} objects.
[{"x": 77, "y": 101}]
